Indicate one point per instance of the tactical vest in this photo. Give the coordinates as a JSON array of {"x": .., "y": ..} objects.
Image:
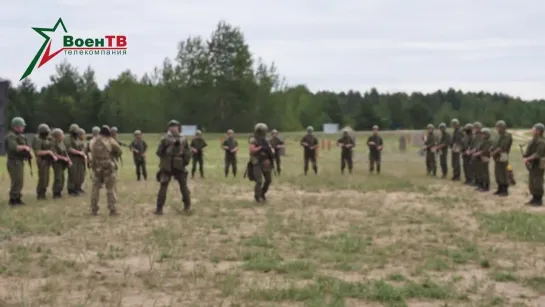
[{"x": 101, "y": 150}]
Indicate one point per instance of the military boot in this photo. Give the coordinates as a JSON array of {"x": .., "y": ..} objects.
[
  {"x": 57, "y": 195},
  {"x": 478, "y": 185},
  {"x": 539, "y": 200},
  {"x": 504, "y": 190},
  {"x": 41, "y": 196},
  {"x": 532, "y": 201},
  {"x": 137, "y": 177},
  {"x": 72, "y": 193},
  {"x": 499, "y": 190},
  {"x": 159, "y": 210},
  {"x": 19, "y": 201},
  {"x": 486, "y": 187},
  {"x": 114, "y": 213},
  {"x": 12, "y": 202}
]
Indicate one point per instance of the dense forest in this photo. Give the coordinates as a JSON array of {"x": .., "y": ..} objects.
[{"x": 218, "y": 84}]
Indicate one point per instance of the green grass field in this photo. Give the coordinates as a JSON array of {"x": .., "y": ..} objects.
[{"x": 398, "y": 239}]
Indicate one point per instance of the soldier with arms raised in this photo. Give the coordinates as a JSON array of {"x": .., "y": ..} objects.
[
  {"x": 261, "y": 162},
  {"x": 310, "y": 145},
  {"x": 18, "y": 152},
  {"x": 534, "y": 158},
  {"x": 42, "y": 146}
]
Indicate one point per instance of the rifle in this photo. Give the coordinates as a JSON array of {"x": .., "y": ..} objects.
[
  {"x": 29, "y": 160},
  {"x": 528, "y": 166},
  {"x": 266, "y": 148}
]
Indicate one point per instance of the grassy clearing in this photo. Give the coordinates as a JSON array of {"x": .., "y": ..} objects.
[{"x": 398, "y": 239}]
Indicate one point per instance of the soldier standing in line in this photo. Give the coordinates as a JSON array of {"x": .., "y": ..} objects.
[
  {"x": 442, "y": 148},
  {"x": 77, "y": 155},
  {"x": 346, "y": 143},
  {"x": 139, "y": 147},
  {"x": 17, "y": 151},
  {"x": 42, "y": 147},
  {"x": 104, "y": 148},
  {"x": 456, "y": 145},
  {"x": 95, "y": 131},
  {"x": 534, "y": 158},
  {"x": 230, "y": 145},
  {"x": 61, "y": 162},
  {"x": 81, "y": 176},
  {"x": 375, "y": 143},
  {"x": 482, "y": 155},
  {"x": 501, "y": 158},
  {"x": 277, "y": 144},
  {"x": 174, "y": 154},
  {"x": 310, "y": 144},
  {"x": 261, "y": 162},
  {"x": 476, "y": 165},
  {"x": 429, "y": 145},
  {"x": 466, "y": 157},
  {"x": 197, "y": 147}
]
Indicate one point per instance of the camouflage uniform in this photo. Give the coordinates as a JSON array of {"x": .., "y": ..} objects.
[
  {"x": 174, "y": 154},
  {"x": 261, "y": 162},
  {"x": 16, "y": 157},
  {"x": 483, "y": 158},
  {"x": 501, "y": 158},
  {"x": 74, "y": 145},
  {"x": 230, "y": 157},
  {"x": 444, "y": 143},
  {"x": 466, "y": 156},
  {"x": 197, "y": 146},
  {"x": 475, "y": 164},
  {"x": 61, "y": 163},
  {"x": 375, "y": 149},
  {"x": 431, "y": 164},
  {"x": 42, "y": 146},
  {"x": 456, "y": 145},
  {"x": 310, "y": 145},
  {"x": 277, "y": 145},
  {"x": 346, "y": 143},
  {"x": 535, "y": 155},
  {"x": 139, "y": 148},
  {"x": 104, "y": 149}
]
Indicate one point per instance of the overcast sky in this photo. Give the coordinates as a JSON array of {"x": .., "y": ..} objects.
[{"x": 418, "y": 45}]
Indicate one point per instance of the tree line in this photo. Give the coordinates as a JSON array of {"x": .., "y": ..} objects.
[{"x": 217, "y": 84}]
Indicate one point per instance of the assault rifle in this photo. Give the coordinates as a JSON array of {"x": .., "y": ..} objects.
[
  {"x": 28, "y": 157},
  {"x": 528, "y": 166}
]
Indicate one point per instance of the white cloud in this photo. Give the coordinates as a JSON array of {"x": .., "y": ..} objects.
[{"x": 421, "y": 45}]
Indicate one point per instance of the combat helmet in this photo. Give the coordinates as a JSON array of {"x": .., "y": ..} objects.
[
  {"x": 136, "y": 132},
  {"x": 18, "y": 122},
  {"x": 261, "y": 128},
  {"x": 375, "y": 127},
  {"x": 486, "y": 131},
  {"x": 430, "y": 126},
  {"x": 113, "y": 129},
  {"x": 468, "y": 126},
  {"x": 477, "y": 125},
  {"x": 82, "y": 131},
  {"x": 501, "y": 124},
  {"x": 56, "y": 132},
  {"x": 442, "y": 126},
  {"x": 310, "y": 129},
  {"x": 73, "y": 128},
  {"x": 539, "y": 127},
  {"x": 455, "y": 121},
  {"x": 43, "y": 128},
  {"x": 173, "y": 122},
  {"x": 96, "y": 130}
]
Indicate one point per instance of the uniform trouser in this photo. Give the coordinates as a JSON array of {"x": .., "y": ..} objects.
[
  {"x": 230, "y": 161},
  {"x": 500, "y": 172},
  {"x": 76, "y": 174},
  {"x": 455, "y": 161},
  {"x": 443, "y": 155},
  {"x": 140, "y": 165},
  {"x": 16, "y": 170},
  {"x": 277, "y": 161},
  {"x": 310, "y": 157},
  {"x": 261, "y": 186},
  {"x": 485, "y": 173},
  {"x": 431, "y": 164},
  {"x": 346, "y": 160},
  {"x": 108, "y": 178},
  {"x": 44, "y": 168},
  {"x": 466, "y": 160},
  {"x": 58, "y": 177},
  {"x": 164, "y": 179},
  {"x": 374, "y": 159},
  {"x": 477, "y": 168},
  {"x": 535, "y": 181},
  {"x": 197, "y": 159}
]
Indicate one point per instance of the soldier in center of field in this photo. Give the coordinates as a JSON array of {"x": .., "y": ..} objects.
[
  {"x": 346, "y": 143},
  {"x": 261, "y": 162},
  {"x": 310, "y": 145},
  {"x": 501, "y": 158},
  {"x": 534, "y": 158},
  {"x": 78, "y": 157},
  {"x": 139, "y": 147},
  {"x": 456, "y": 145},
  {"x": 42, "y": 146},
  {"x": 466, "y": 156},
  {"x": 277, "y": 145},
  {"x": 197, "y": 147},
  {"x": 230, "y": 145},
  {"x": 442, "y": 149},
  {"x": 174, "y": 154},
  {"x": 61, "y": 163},
  {"x": 429, "y": 145},
  {"x": 375, "y": 143}
]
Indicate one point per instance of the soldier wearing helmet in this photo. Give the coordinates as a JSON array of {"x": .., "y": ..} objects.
[
  {"x": 17, "y": 151},
  {"x": 456, "y": 145},
  {"x": 197, "y": 147},
  {"x": 442, "y": 148},
  {"x": 310, "y": 146},
  {"x": 76, "y": 151},
  {"x": 139, "y": 147},
  {"x": 95, "y": 131},
  {"x": 375, "y": 143},
  {"x": 346, "y": 143},
  {"x": 261, "y": 162},
  {"x": 230, "y": 146},
  {"x": 534, "y": 158},
  {"x": 61, "y": 163},
  {"x": 500, "y": 153},
  {"x": 429, "y": 145},
  {"x": 466, "y": 155},
  {"x": 174, "y": 154},
  {"x": 476, "y": 165},
  {"x": 482, "y": 155},
  {"x": 278, "y": 145},
  {"x": 42, "y": 147}
]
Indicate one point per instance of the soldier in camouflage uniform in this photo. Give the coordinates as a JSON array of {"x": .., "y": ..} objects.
[
  {"x": 442, "y": 148},
  {"x": 104, "y": 149},
  {"x": 456, "y": 145},
  {"x": 475, "y": 164},
  {"x": 61, "y": 163},
  {"x": 139, "y": 147},
  {"x": 261, "y": 162},
  {"x": 375, "y": 143},
  {"x": 277, "y": 144},
  {"x": 310, "y": 145},
  {"x": 534, "y": 158},
  {"x": 42, "y": 147},
  {"x": 500, "y": 154},
  {"x": 482, "y": 156},
  {"x": 197, "y": 147},
  {"x": 174, "y": 154},
  {"x": 17, "y": 151},
  {"x": 78, "y": 157},
  {"x": 95, "y": 131},
  {"x": 346, "y": 143},
  {"x": 466, "y": 156},
  {"x": 230, "y": 145},
  {"x": 81, "y": 175},
  {"x": 429, "y": 145}
]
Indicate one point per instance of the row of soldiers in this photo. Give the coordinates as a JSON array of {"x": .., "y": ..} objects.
[{"x": 474, "y": 147}]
